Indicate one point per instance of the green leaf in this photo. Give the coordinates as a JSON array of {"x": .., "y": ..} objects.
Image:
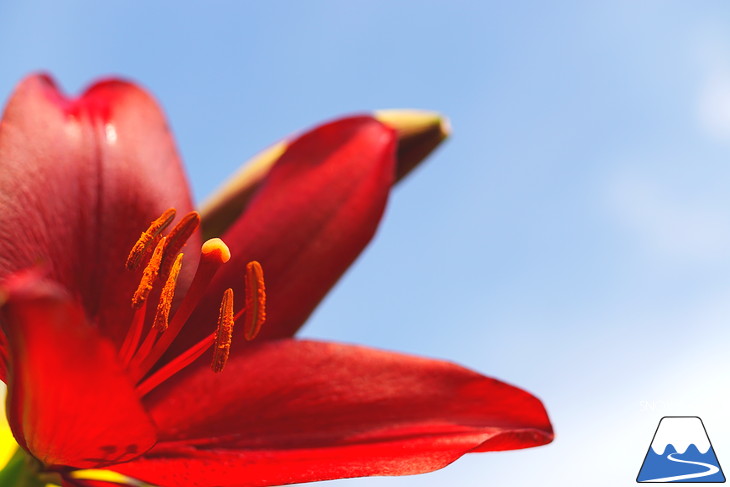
[{"x": 19, "y": 472}]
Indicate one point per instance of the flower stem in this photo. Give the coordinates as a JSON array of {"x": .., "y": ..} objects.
[{"x": 20, "y": 473}]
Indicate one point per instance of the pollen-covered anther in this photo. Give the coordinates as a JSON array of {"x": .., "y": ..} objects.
[
  {"x": 149, "y": 238},
  {"x": 162, "y": 314},
  {"x": 149, "y": 276},
  {"x": 177, "y": 238},
  {"x": 224, "y": 332},
  {"x": 255, "y": 307},
  {"x": 214, "y": 254}
]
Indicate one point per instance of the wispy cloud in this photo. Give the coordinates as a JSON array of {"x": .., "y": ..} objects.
[
  {"x": 712, "y": 109},
  {"x": 667, "y": 224},
  {"x": 713, "y": 105}
]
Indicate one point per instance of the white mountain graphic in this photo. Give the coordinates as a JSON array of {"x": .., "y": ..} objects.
[{"x": 680, "y": 431}]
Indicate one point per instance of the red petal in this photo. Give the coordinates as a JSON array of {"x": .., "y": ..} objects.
[
  {"x": 317, "y": 209},
  {"x": 297, "y": 411},
  {"x": 79, "y": 181},
  {"x": 418, "y": 132},
  {"x": 69, "y": 401}
]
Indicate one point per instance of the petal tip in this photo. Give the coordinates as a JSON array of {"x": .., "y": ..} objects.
[
  {"x": 419, "y": 133},
  {"x": 39, "y": 77},
  {"x": 38, "y": 83},
  {"x": 410, "y": 122}
]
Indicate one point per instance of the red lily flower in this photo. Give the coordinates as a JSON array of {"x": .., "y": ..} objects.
[{"x": 94, "y": 382}]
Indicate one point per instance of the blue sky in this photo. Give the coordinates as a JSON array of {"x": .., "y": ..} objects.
[{"x": 573, "y": 236}]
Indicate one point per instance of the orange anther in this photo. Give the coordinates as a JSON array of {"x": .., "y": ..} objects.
[
  {"x": 150, "y": 275},
  {"x": 149, "y": 238},
  {"x": 211, "y": 259},
  {"x": 168, "y": 293},
  {"x": 224, "y": 332},
  {"x": 255, "y": 300},
  {"x": 177, "y": 238}
]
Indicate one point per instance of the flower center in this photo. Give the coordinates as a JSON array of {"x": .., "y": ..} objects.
[{"x": 159, "y": 279}]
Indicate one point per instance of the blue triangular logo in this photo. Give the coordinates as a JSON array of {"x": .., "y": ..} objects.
[{"x": 680, "y": 451}]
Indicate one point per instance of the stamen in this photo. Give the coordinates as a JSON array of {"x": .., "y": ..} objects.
[
  {"x": 149, "y": 276},
  {"x": 176, "y": 365},
  {"x": 255, "y": 300},
  {"x": 134, "y": 334},
  {"x": 224, "y": 332},
  {"x": 177, "y": 238},
  {"x": 149, "y": 238},
  {"x": 167, "y": 295},
  {"x": 143, "y": 351},
  {"x": 214, "y": 253}
]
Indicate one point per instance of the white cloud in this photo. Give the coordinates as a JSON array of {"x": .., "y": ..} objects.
[
  {"x": 670, "y": 225},
  {"x": 712, "y": 109},
  {"x": 713, "y": 105}
]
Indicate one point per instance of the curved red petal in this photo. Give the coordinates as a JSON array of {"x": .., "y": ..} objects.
[
  {"x": 315, "y": 212},
  {"x": 79, "y": 181},
  {"x": 69, "y": 401},
  {"x": 297, "y": 411}
]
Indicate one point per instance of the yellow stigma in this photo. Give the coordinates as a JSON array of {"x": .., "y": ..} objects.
[{"x": 216, "y": 249}]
